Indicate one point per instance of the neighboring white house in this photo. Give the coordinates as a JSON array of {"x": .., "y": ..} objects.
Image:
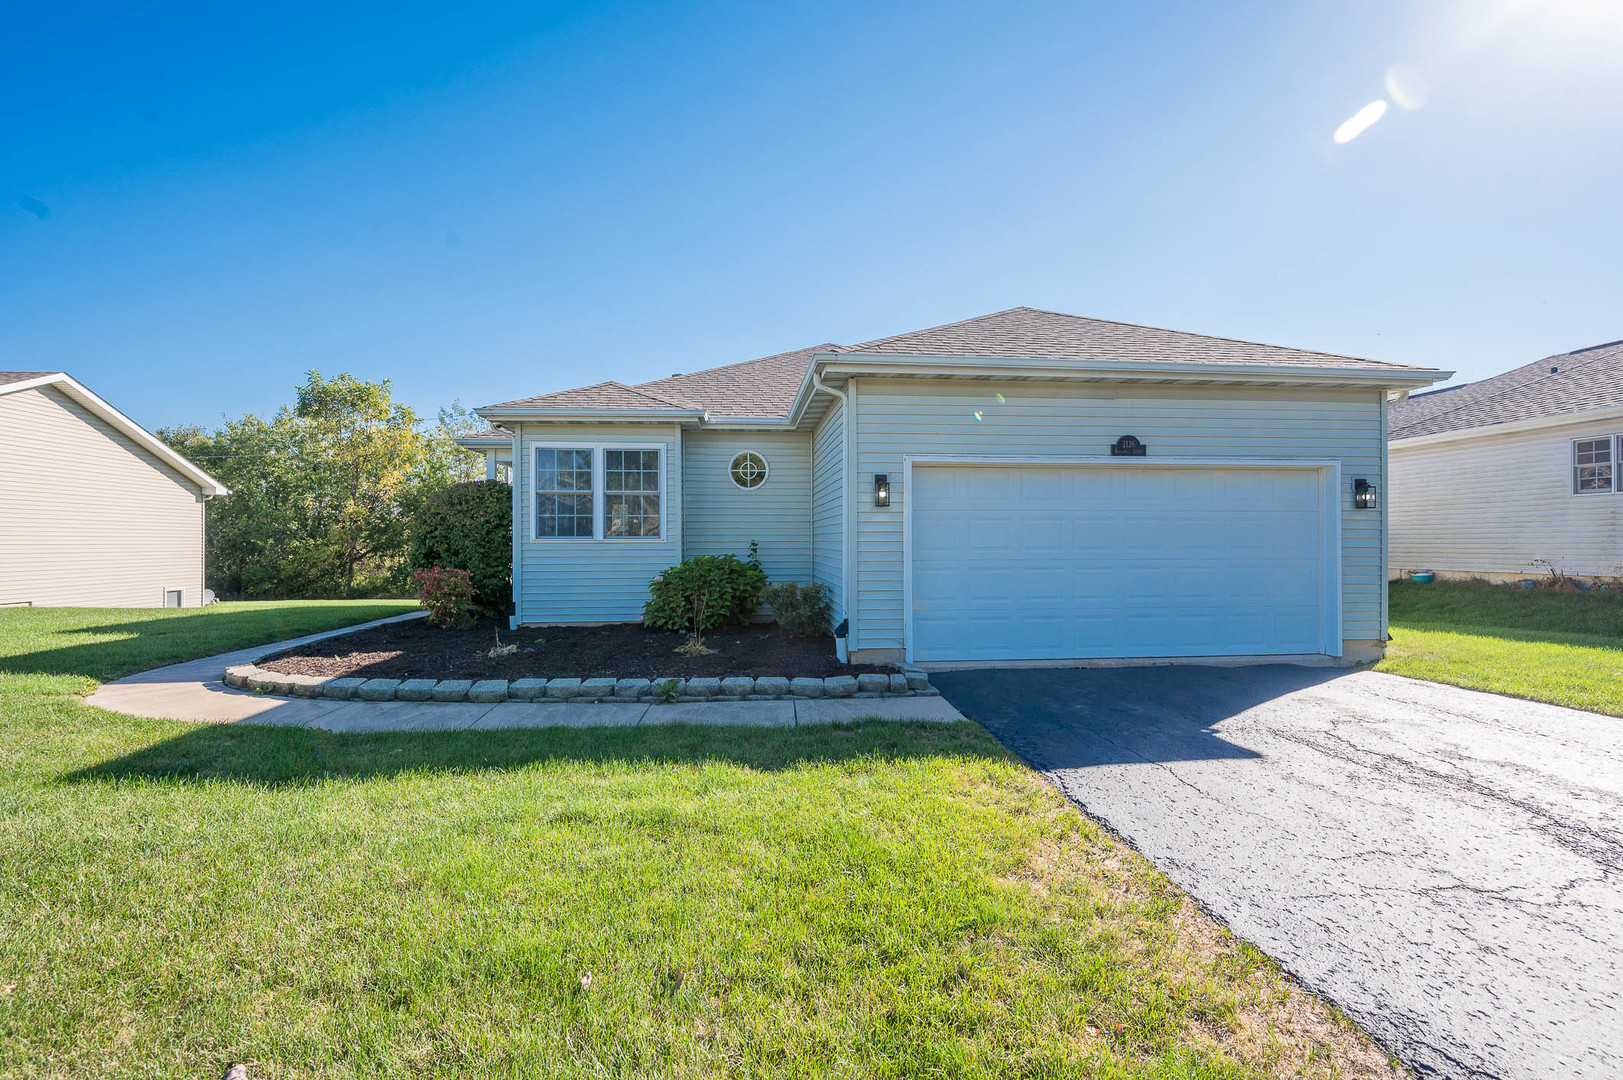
[
  {"x": 1514, "y": 476},
  {"x": 94, "y": 510},
  {"x": 1022, "y": 486}
]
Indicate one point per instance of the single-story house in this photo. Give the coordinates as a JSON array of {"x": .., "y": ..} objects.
[
  {"x": 1514, "y": 476},
  {"x": 1022, "y": 486},
  {"x": 95, "y": 511}
]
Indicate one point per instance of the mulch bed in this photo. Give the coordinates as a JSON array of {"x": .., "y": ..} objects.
[{"x": 414, "y": 649}]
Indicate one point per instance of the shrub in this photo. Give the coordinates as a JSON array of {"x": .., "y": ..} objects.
[
  {"x": 702, "y": 593},
  {"x": 802, "y": 610},
  {"x": 447, "y": 593},
  {"x": 469, "y": 527}
]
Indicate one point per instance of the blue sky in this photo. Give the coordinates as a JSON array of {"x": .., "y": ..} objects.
[{"x": 200, "y": 202}]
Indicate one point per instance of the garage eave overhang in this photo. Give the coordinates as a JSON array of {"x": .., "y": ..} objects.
[{"x": 837, "y": 367}]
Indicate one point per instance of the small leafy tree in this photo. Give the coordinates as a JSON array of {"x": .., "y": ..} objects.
[
  {"x": 321, "y": 493},
  {"x": 802, "y": 610},
  {"x": 702, "y": 593},
  {"x": 469, "y": 526},
  {"x": 447, "y": 594}
]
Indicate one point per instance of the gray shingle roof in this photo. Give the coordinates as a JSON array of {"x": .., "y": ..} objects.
[
  {"x": 1569, "y": 382},
  {"x": 766, "y": 387},
  {"x": 22, "y": 376},
  {"x": 604, "y": 395},
  {"x": 1028, "y": 333}
]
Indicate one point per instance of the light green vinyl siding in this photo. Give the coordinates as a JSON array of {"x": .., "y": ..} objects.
[
  {"x": 587, "y": 581},
  {"x": 827, "y": 520},
  {"x": 721, "y": 518},
  {"x": 900, "y": 417}
]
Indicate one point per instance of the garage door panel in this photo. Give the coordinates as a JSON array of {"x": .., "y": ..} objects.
[{"x": 1053, "y": 562}]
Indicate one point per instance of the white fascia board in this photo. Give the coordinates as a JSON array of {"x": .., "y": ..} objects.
[
  {"x": 1173, "y": 370},
  {"x": 1608, "y": 415},
  {"x": 117, "y": 420}
]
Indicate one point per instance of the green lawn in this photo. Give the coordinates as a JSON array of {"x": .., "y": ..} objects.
[
  {"x": 1561, "y": 647},
  {"x": 868, "y": 900}
]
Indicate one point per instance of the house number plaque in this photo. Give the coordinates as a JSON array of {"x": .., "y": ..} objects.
[{"x": 1127, "y": 446}]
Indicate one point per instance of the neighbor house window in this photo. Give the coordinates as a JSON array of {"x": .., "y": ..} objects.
[
  {"x": 631, "y": 493},
  {"x": 1591, "y": 465},
  {"x": 563, "y": 492}
]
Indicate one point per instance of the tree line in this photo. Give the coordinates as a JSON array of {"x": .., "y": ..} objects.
[{"x": 323, "y": 492}]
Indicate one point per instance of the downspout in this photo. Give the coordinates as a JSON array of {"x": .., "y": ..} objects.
[
  {"x": 840, "y": 638},
  {"x": 518, "y": 563}
]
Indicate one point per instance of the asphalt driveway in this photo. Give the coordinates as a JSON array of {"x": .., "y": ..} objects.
[{"x": 1444, "y": 864}]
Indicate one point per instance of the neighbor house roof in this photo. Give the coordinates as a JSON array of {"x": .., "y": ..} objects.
[
  {"x": 12, "y": 382},
  {"x": 767, "y": 388},
  {"x": 1570, "y": 382},
  {"x": 22, "y": 376}
]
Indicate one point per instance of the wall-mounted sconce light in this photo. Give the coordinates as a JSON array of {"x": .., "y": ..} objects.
[
  {"x": 881, "y": 489},
  {"x": 1366, "y": 496}
]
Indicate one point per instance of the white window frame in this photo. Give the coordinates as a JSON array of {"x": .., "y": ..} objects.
[
  {"x": 599, "y": 500},
  {"x": 766, "y": 469},
  {"x": 1615, "y": 442},
  {"x": 181, "y": 589}
]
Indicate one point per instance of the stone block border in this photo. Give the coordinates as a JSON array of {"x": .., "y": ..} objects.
[{"x": 908, "y": 682}]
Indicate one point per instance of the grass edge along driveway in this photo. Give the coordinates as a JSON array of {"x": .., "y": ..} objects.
[
  {"x": 1561, "y": 647},
  {"x": 858, "y": 900}
]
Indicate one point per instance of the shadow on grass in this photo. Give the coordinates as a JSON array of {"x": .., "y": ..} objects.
[
  {"x": 291, "y": 757},
  {"x": 159, "y": 639}
]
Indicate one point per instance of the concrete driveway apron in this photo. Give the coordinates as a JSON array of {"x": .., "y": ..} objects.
[{"x": 1445, "y": 865}]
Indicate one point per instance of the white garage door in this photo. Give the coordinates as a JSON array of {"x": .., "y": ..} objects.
[{"x": 1060, "y": 562}]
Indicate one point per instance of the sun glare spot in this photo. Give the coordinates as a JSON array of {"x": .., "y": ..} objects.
[{"x": 1361, "y": 121}]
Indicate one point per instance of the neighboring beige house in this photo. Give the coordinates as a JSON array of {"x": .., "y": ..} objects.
[
  {"x": 1514, "y": 476},
  {"x": 94, "y": 510}
]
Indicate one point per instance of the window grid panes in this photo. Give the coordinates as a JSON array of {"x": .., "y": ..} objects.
[
  {"x": 563, "y": 493},
  {"x": 1592, "y": 465},
  {"x": 748, "y": 470},
  {"x": 631, "y": 493}
]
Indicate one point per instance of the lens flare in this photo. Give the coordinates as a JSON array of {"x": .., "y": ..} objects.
[
  {"x": 1406, "y": 87},
  {"x": 1361, "y": 121},
  {"x": 977, "y": 414}
]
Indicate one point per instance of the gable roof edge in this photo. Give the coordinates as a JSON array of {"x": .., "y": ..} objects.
[{"x": 150, "y": 442}]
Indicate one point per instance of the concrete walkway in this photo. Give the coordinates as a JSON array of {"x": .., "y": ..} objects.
[{"x": 195, "y": 691}]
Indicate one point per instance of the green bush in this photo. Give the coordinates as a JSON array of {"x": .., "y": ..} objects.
[
  {"x": 469, "y": 527},
  {"x": 802, "y": 610},
  {"x": 704, "y": 592}
]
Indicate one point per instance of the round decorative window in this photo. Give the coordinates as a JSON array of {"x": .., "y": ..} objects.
[{"x": 748, "y": 470}]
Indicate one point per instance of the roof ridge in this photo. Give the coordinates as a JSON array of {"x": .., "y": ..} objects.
[
  {"x": 1143, "y": 326},
  {"x": 945, "y": 325},
  {"x": 734, "y": 364}
]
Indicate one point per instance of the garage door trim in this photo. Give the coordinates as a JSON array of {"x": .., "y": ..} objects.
[{"x": 1329, "y": 470}]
